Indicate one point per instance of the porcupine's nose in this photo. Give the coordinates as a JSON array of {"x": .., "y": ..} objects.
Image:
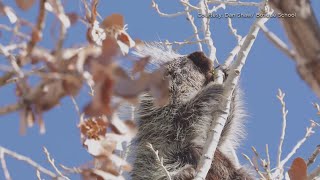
[{"x": 202, "y": 62}]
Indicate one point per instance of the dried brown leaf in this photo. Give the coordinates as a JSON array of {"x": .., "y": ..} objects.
[
  {"x": 125, "y": 42},
  {"x": 72, "y": 85},
  {"x": 73, "y": 17},
  {"x": 140, "y": 64},
  {"x": 94, "y": 128},
  {"x": 114, "y": 20},
  {"x": 106, "y": 175},
  {"x": 100, "y": 148},
  {"x": 105, "y": 164},
  {"x": 25, "y": 4},
  {"x": 298, "y": 170},
  {"x": 100, "y": 103},
  {"x": 110, "y": 48}
]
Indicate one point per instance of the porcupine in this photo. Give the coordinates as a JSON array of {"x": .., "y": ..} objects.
[{"x": 179, "y": 129}]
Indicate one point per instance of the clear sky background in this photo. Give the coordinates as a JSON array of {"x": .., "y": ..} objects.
[{"x": 267, "y": 69}]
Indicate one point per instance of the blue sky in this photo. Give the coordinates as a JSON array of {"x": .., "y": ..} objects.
[{"x": 267, "y": 69}]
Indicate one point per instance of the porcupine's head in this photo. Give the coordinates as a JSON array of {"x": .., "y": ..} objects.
[{"x": 187, "y": 75}]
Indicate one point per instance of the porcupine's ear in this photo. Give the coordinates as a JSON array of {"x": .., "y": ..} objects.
[{"x": 158, "y": 53}]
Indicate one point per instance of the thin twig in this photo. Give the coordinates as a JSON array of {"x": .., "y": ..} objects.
[
  {"x": 37, "y": 32},
  {"x": 4, "y": 166},
  {"x": 75, "y": 104},
  {"x": 64, "y": 25},
  {"x": 4, "y": 79},
  {"x": 216, "y": 8},
  {"x": 38, "y": 175},
  {"x": 194, "y": 27},
  {"x": 309, "y": 132},
  {"x": 159, "y": 159},
  {"x": 17, "y": 33},
  {"x": 313, "y": 156},
  {"x": 187, "y": 3},
  {"x": 51, "y": 161},
  {"x": 13, "y": 61},
  {"x": 278, "y": 42},
  {"x": 268, "y": 159},
  {"x": 28, "y": 161},
  {"x": 235, "y": 3},
  {"x": 255, "y": 168},
  {"x": 156, "y": 7},
  {"x": 10, "y": 108},
  {"x": 234, "y": 31},
  {"x": 181, "y": 43},
  {"x": 281, "y": 96},
  {"x": 204, "y": 9},
  {"x": 264, "y": 163}
]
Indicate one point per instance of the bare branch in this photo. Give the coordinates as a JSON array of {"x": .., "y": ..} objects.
[
  {"x": 65, "y": 24},
  {"x": 181, "y": 43},
  {"x": 204, "y": 9},
  {"x": 38, "y": 175},
  {"x": 156, "y": 7},
  {"x": 51, "y": 161},
  {"x": 281, "y": 96},
  {"x": 19, "y": 34},
  {"x": 194, "y": 27},
  {"x": 278, "y": 42},
  {"x": 10, "y": 108},
  {"x": 159, "y": 159},
  {"x": 13, "y": 61},
  {"x": 309, "y": 132},
  {"x": 28, "y": 161},
  {"x": 75, "y": 104},
  {"x": 268, "y": 160},
  {"x": 236, "y": 3},
  {"x": 37, "y": 31},
  {"x": 4, "y": 166},
  {"x": 234, "y": 31},
  {"x": 313, "y": 156},
  {"x": 264, "y": 164},
  {"x": 255, "y": 168},
  {"x": 230, "y": 84},
  {"x": 4, "y": 79},
  {"x": 304, "y": 33}
]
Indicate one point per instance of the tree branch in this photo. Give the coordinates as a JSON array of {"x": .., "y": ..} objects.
[
  {"x": 28, "y": 161},
  {"x": 304, "y": 33},
  {"x": 230, "y": 84}
]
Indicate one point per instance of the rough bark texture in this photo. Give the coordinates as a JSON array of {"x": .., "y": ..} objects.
[{"x": 304, "y": 33}]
